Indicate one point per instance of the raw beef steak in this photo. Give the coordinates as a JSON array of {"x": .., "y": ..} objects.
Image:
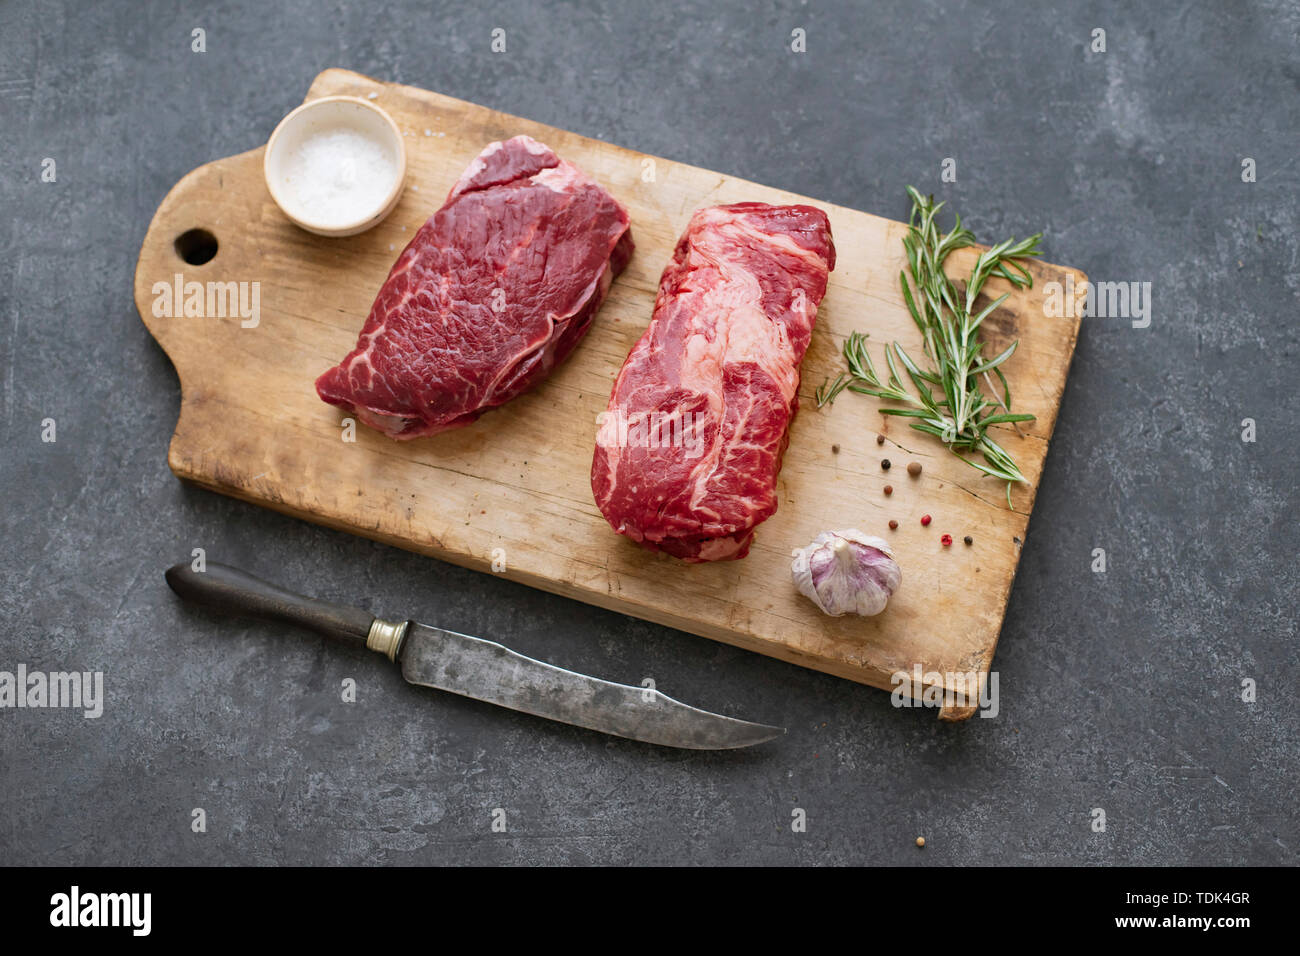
[
  {"x": 688, "y": 451},
  {"x": 492, "y": 292}
]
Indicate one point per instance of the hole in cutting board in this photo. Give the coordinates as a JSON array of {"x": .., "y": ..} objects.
[{"x": 196, "y": 246}]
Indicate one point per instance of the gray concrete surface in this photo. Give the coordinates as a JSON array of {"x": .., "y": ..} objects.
[{"x": 1120, "y": 691}]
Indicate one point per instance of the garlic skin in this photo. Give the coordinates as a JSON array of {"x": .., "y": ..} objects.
[{"x": 847, "y": 572}]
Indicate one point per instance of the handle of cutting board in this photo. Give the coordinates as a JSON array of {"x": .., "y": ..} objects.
[{"x": 223, "y": 588}]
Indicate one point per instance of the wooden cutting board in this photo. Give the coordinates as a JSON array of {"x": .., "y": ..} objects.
[{"x": 514, "y": 489}]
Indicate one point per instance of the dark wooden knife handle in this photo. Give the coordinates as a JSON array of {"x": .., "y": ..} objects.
[{"x": 228, "y": 589}]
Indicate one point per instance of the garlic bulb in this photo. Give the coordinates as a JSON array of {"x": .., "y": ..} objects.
[{"x": 846, "y": 572}]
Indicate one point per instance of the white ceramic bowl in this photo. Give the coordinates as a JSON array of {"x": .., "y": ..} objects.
[{"x": 324, "y": 115}]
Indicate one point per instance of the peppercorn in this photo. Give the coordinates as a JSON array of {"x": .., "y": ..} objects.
[
  {"x": 884, "y": 463},
  {"x": 925, "y": 520},
  {"x": 946, "y": 540},
  {"x": 969, "y": 540},
  {"x": 835, "y": 449},
  {"x": 880, "y": 439},
  {"x": 914, "y": 469},
  {"x": 920, "y": 841},
  {"x": 889, "y": 489},
  {"x": 893, "y": 525}
]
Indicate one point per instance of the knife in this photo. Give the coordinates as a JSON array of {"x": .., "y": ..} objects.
[{"x": 473, "y": 667}]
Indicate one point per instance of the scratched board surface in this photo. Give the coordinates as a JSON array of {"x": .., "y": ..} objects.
[{"x": 515, "y": 484}]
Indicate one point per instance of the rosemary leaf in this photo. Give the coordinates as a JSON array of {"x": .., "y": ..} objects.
[{"x": 959, "y": 413}]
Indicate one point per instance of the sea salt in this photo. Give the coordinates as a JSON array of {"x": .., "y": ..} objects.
[{"x": 340, "y": 175}]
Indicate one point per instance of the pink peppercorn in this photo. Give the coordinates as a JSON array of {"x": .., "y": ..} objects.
[
  {"x": 925, "y": 520},
  {"x": 946, "y": 540}
]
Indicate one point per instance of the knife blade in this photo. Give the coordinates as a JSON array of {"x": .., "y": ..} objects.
[{"x": 477, "y": 668}]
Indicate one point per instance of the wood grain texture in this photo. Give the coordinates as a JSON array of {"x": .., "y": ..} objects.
[{"x": 252, "y": 426}]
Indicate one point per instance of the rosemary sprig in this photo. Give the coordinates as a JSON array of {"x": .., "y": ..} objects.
[{"x": 949, "y": 401}]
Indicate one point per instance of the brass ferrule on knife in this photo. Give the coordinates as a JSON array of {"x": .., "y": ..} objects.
[{"x": 385, "y": 637}]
